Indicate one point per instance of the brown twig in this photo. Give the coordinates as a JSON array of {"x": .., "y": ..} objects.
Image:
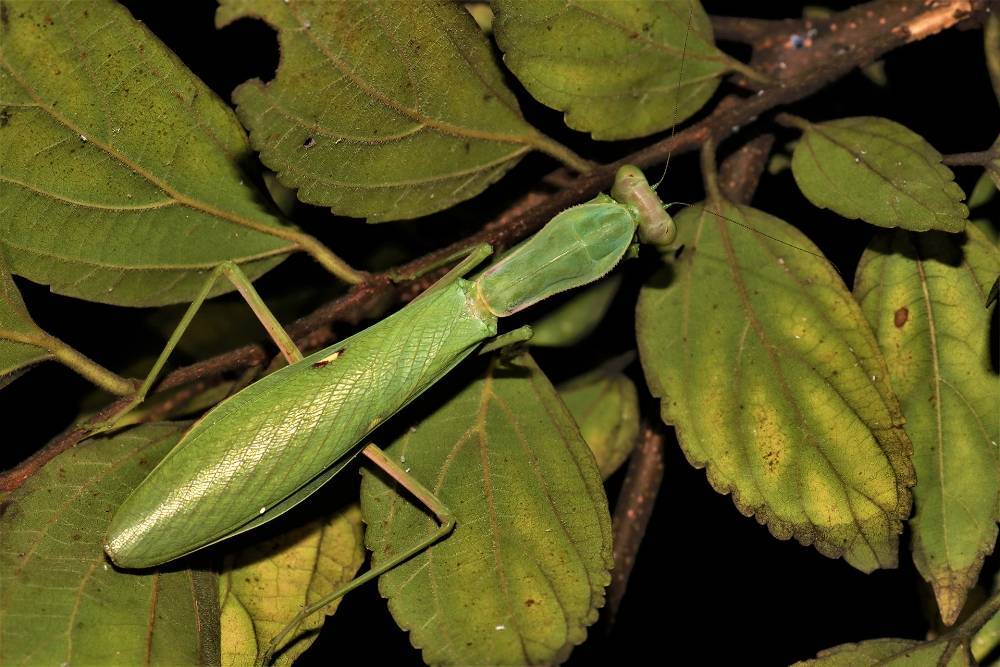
[
  {"x": 740, "y": 173},
  {"x": 828, "y": 50},
  {"x": 632, "y": 512}
]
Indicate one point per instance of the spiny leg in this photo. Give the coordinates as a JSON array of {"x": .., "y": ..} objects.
[{"x": 421, "y": 493}]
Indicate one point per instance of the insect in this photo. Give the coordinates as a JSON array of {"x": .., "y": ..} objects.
[{"x": 265, "y": 449}]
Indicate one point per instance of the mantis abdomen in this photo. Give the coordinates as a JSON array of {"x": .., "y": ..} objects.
[{"x": 272, "y": 439}]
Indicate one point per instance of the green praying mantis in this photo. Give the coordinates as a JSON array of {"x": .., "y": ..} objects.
[{"x": 268, "y": 447}]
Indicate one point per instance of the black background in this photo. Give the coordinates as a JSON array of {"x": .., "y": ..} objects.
[{"x": 709, "y": 585}]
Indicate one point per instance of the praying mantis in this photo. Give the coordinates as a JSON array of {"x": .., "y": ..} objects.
[{"x": 268, "y": 447}]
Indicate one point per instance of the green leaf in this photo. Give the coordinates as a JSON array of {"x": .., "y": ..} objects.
[
  {"x": 983, "y": 191},
  {"x": 923, "y": 294},
  {"x": 991, "y": 228},
  {"x": 767, "y": 367},
  {"x": 894, "y": 653},
  {"x": 61, "y": 602},
  {"x": 993, "y": 166},
  {"x": 524, "y": 572},
  {"x": 577, "y": 317},
  {"x": 987, "y": 638},
  {"x": 385, "y": 110},
  {"x": 121, "y": 179},
  {"x": 879, "y": 171},
  {"x": 605, "y": 405},
  {"x": 20, "y": 338},
  {"x": 618, "y": 69},
  {"x": 263, "y": 587}
]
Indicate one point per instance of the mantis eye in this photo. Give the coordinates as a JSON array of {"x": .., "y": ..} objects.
[{"x": 631, "y": 188}]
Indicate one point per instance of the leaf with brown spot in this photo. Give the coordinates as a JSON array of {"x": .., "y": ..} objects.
[
  {"x": 523, "y": 574},
  {"x": 61, "y": 602},
  {"x": 942, "y": 351},
  {"x": 767, "y": 368}
]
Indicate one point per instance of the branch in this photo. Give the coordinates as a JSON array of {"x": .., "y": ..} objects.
[{"x": 835, "y": 46}]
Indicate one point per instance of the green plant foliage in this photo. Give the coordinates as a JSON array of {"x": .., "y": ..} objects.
[
  {"x": 20, "y": 338},
  {"x": 575, "y": 319},
  {"x": 524, "y": 572},
  {"x": 894, "y": 653},
  {"x": 766, "y": 367},
  {"x": 879, "y": 171},
  {"x": 615, "y": 68},
  {"x": 265, "y": 585},
  {"x": 108, "y": 140},
  {"x": 605, "y": 405},
  {"x": 390, "y": 144},
  {"x": 983, "y": 191},
  {"x": 923, "y": 295},
  {"x": 61, "y": 602},
  {"x": 993, "y": 166}
]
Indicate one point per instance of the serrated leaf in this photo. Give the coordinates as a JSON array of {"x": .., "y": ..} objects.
[
  {"x": 577, "y": 317},
  {"x": 264, "y": 586},
  {"x": 524, "y": 572},
  {"x": 61, "y": 602},
  {"x": 894, "y": 653},
  {"x": 385, "y": 110},
  {"x": 923, "y": 294},
  {"x": 605, "y": 405},
  {"x": 767, "y": 367},
  {"x": 879, "y": 171},
  {"x": 121, "y": 178},
  {"x": 20, "y": 337},
  {"x": 618, "y": 69}
]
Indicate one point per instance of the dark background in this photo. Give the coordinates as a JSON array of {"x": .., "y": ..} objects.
[{"x": 708, "y": 582}]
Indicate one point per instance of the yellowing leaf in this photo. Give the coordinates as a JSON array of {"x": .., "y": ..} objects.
[
  {"x": 384, "y": 110},
  {"x": 120, "y": 180},
  {"x": 879, "y": 171},
  {"x": 768, "y": 370},
  {"x": 605, "y": 405},
  {"x": 264, "y": 586},
  {"x": 524, "y": 572},
  {"x": 61, "y": 602},
  {"x": 618, "y": 69},
  {"x": 923, "y": 295}
]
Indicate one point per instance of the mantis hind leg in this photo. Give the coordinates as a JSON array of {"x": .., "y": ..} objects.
[
  {"x": 420, "y": 492},
  {"x": 239, "y": 280}
]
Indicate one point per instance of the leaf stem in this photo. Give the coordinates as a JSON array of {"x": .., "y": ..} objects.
[
  {"x": 750, "y": 73},
  {"x": 86, "y": 367},
  {"x": 790, "y": 120},
  {"x": 974, "y": 159},
  {"x": 555, "y": 149},
  {"x": 326, "y": 258},
  {"x": 708, "y": 173}
]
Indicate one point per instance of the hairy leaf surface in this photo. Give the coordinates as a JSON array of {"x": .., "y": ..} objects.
[
  {"x": 121, "y": 178},
  {"x": 766, "y": 366},
  {"x": 264, "y": 586},
  {"x": 524, "y": 572},
  {"x": 61, "y": 602},
  {"x": 923, "y": 295},
  {"x": 879, "y": 171},
  {"x": 618, "y": 69},
  {"x": 384, "y": 110}
]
